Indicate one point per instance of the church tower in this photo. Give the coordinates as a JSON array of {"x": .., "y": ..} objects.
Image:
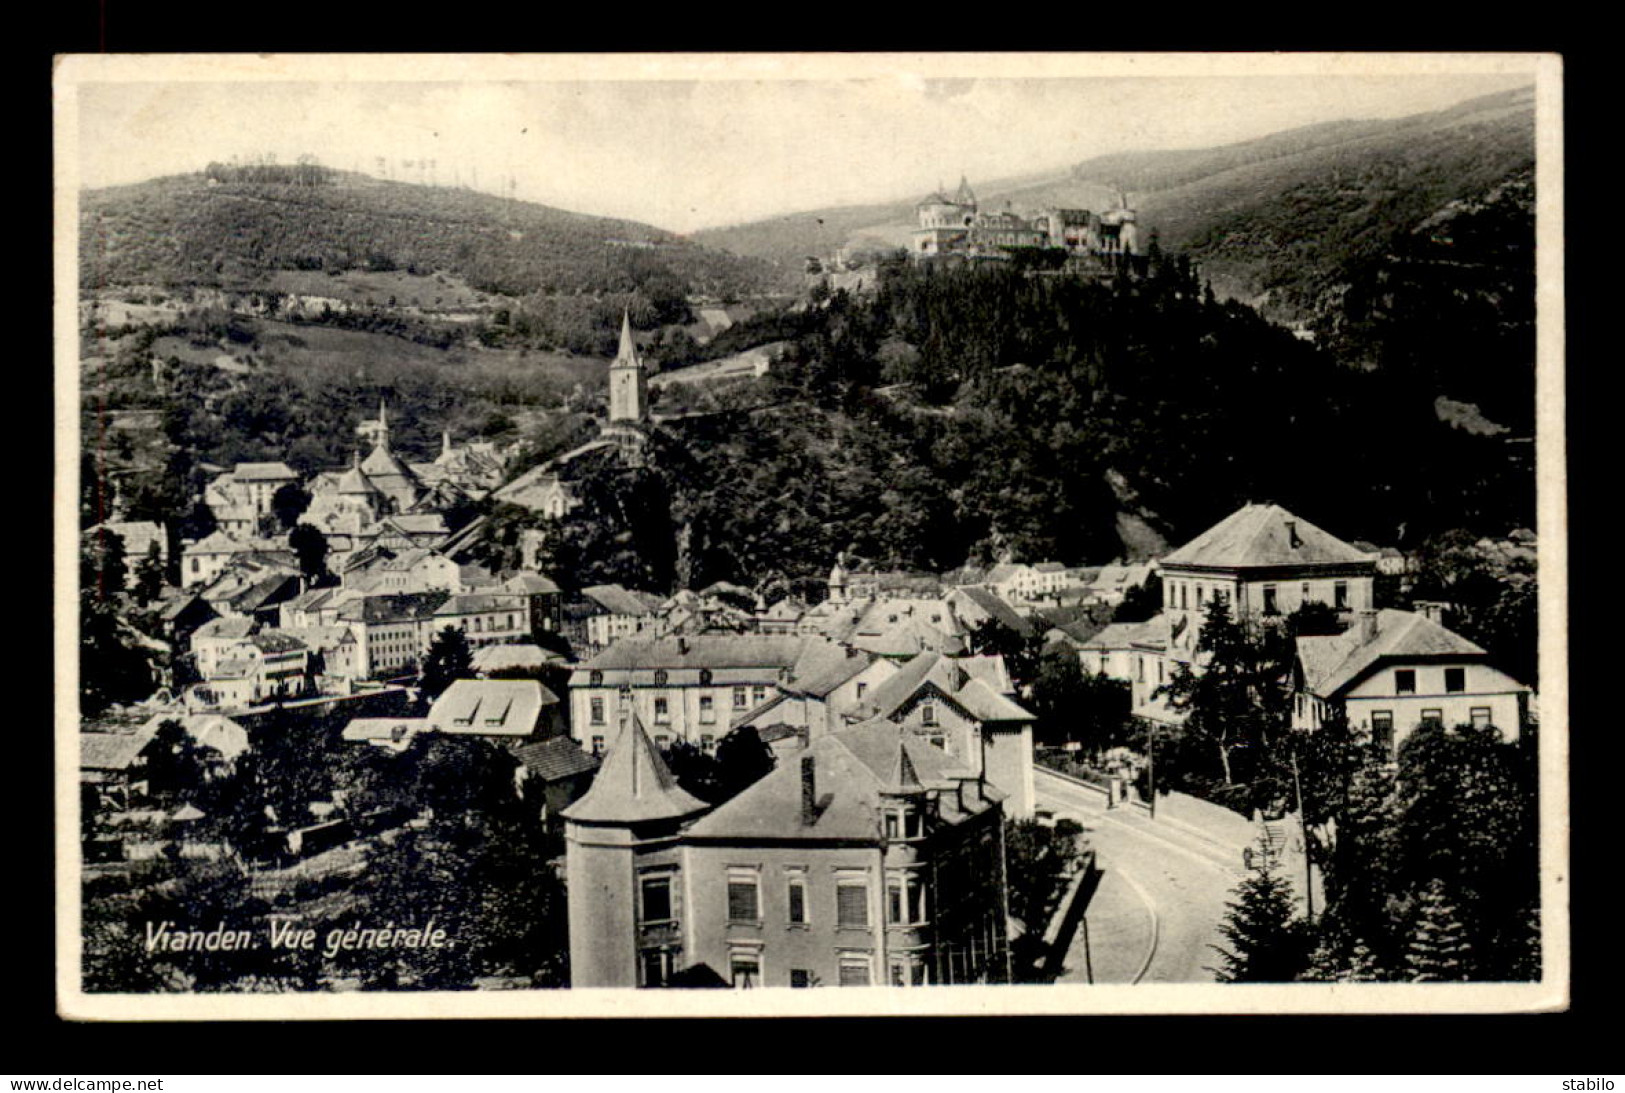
[{"x": 628, "y": 386}]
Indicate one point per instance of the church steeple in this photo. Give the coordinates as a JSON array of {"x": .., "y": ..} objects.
[{"x": 628, "y": 391}]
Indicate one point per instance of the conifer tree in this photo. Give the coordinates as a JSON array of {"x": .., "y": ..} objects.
[
  {"x": 449, "y": 658},
  {"x": 1267, "y": 945},
  {"x": 1438, "y": 950}
]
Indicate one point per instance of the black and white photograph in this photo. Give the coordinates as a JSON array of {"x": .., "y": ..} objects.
[{"x": 615, "y": 535}]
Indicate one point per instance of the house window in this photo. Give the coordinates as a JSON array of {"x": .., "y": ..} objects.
[
  {"x": 1405, "y": 681},
  {"x": 1382, "y": 731},
  {"x": 745, "y": 969},
  {"x": 911, "y": 823},
  {"x": 744, "y": 896},
  {"x": 758, "y": 694},
  {"x": 928, "y": 713},
  {"x": 1433, "y": 717},
  {"x": 477, "y": 627},
  {"x": 1201, "y": 595},
  {"x": 597, "y": 711},
  {"x": 656, "y": 967},
  {"x": 596, "y": 678},
  {"x": 1340, "y": 593},
  {"x": 1184, "y": 595},
  {"x": 1270, "y": 607},
  {"x": 656, "y": 900},
  {"x": 801, "y": 977},
  {"x": 894, "y": 901},
  {"x": 1455, "y": 680},
  {"x": 796, "y": 900},
  {"x": 662, "y": 741},
  {"x": 597, "y": 746},
  {"x": 855, "y": 970},
  {"x": 741, "y": 699},
  {"x": 1481, "y": 717},
  {"x": 862, "y": 687},
  {"x": 852, "y": 902},
  {"x": 1303, "y": 593},
  {"x": 705, "y": 677},
  {"x": 1139, "y": 669},
  {"x": 662, "y": 711},
  {"x": 893, "y": 827},
  {"x": 708, "y": 710},
  {"x": 707, "y": 742},
  {"x": 660, "y": 677}
]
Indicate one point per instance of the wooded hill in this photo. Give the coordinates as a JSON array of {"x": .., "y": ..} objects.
[
  {"x": 1283, "y": 222},
  {"x": 201, "y": 230}
]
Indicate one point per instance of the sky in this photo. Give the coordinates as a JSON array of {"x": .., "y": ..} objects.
[{"x": 688, "y": 143}]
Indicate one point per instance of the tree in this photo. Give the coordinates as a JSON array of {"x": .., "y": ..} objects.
[
  {"x": 1267, "y": 945},
  {"x": 177, "y": 766},
  {"x": 695, "y": 770},
  {"x": 102, "y": 568},
  {"x": 1040, "y": 861},
  {"x": 1438, "y": 949},
  {"x": 1073, "y": 704},
  {"x": 1021, "y": 652},
  {"x": 1140, "y": 602},
  {"x": 308, "y": 542},
  {"x": 149, "y": 576},
  {"x": 449, "y": 658},
  {"x": 742, "y": 759},
  {"x": 1234, "y": 704},
  {"x": 288, "y": 504}
]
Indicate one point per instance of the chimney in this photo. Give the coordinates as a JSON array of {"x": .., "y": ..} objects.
[
  {"x": 1432, "y": 610},
  {"x": 809, "y": 790},
  {"x": 1368, "y": 626},
  {"x": 682, "y": 644}
]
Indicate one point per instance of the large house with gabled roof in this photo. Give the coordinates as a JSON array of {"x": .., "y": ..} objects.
[
  {"x": 873, "y": 859},
  {"x": 1393, "y": 671}
]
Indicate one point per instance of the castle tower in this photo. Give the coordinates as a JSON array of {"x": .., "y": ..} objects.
[
  {"x": 618, "y": 843},
  {"x": 628, "y": 386}
]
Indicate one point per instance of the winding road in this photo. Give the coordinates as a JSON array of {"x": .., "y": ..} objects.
[{"x": 1162, "y": 893}]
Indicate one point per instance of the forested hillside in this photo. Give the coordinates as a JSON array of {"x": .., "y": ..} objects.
[
  {"x": 201, "y": 230},
  {"x": 978, "y": 413}
]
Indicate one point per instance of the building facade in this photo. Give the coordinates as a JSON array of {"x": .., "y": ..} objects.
[{"x": 872, "y": 860}]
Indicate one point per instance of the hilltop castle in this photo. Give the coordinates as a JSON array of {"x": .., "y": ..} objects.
[{"x": 955, "y": 226}]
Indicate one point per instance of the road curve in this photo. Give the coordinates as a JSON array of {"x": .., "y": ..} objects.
[{"x": 1186, "y": 881}]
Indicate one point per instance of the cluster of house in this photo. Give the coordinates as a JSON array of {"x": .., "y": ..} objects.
[
  {"x": 1388, "y": 671},
  {"x": 133, "y": 818}
]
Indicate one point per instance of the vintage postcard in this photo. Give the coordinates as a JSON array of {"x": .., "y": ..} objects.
[{"x": 810, "y": 534}]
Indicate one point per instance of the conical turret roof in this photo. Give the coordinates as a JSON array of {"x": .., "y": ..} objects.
[{"x": 634, "y": 785}]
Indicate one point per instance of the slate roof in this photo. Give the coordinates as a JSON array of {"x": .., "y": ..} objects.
[
  {"x": 1264, "y": 535},
  {"x": 111, "y": 750},
  {"x": 617, "y": 600},
  {"x": 263, "y": 472},
  {"x": 1334, "y": 663},
  {"x": 277, "y": 641},
  {"x": 530, "y": 584},
  {"x": 702, "y": 651},
  {"x": 1125, "y": 635},
  {"x": 852, "y": 769},
  {"x": 491, "y": 707},
  {"x": 974, "y": 683},
  {"x": 991, "y": 604},
  {"x": 494, "y": 658},
  {"x": 232, "y": 629},
  {"x": 555, "y": 758},
  {"x": 396, "y": 730},
  {"x": 209, "y": 730},
  {"x": 818, "y": 680},
  {"x": 633, "y": 785}
]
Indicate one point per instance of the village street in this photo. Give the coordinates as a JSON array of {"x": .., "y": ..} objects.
[{"x": 1156, "y": 912}]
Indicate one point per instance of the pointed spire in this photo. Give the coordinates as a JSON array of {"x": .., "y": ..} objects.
[
  {"x": 965, "y": 196},
  {"x": 634, "y": 785},
  {"x": 445, "y": 443},
  {"x": 627, "y": 355}
]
